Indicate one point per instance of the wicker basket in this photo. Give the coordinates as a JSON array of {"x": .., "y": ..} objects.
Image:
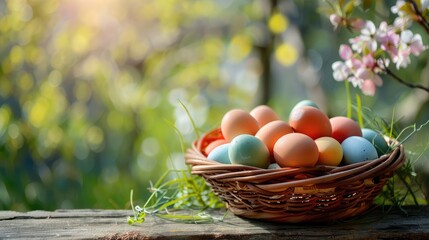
[{"x": 294, "y": 195}]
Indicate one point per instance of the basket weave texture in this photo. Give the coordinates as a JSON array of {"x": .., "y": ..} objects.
[{"x": 294, "y": 195}]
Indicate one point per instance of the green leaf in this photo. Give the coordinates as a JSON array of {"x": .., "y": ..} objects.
[
  {"x": 348, "y": 8},
  {"x": 407, "y": 8}
]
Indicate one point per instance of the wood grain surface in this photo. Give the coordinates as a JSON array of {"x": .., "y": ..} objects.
[{"x": 112, "y": 224}]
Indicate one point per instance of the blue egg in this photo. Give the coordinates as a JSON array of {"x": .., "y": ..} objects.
[
  {"x": 274, "y": 166},
  {"x": 220, "y": 154},
  {"x": 357, "y": 149},
  {"x": 305, "y": 103},
  {"x": 249, "y": 150},
  {"x": 376, "y": 139}
]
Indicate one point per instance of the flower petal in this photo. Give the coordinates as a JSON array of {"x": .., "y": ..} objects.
[{"x": 368, "y": 88}]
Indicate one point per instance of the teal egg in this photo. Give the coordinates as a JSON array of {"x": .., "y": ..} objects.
[
  {"x": 220, "y": 154},
  {"x": 376, "y": 139},
  {"x": 357, "y": 149},
  {"x": 249, "y": 150},
  {"x": 274, "y": 166},
  {"x": 305, "y": 103}
]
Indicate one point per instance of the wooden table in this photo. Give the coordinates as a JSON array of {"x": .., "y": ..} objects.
[{"x": 112, "y": 224}]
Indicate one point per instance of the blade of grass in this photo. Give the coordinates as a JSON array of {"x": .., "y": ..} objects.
[
  {"x": 349, "y": 100},
  {"x": 181, "y": 140},
  {"x": 194, "y": 126},
  {"x": 391, "y": 123},
  {"x": 359, "y": 110}
]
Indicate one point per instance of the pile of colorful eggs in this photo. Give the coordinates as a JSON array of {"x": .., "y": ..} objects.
[{"x": 261, "y": 139}]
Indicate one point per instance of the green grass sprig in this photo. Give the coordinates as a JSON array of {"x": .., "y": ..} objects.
[
  {"x": 403, "y": 188},
  {"x": 184, "y": 198}
]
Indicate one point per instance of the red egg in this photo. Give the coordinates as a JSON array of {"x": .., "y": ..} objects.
[
  {"x": 310, "y": 121},
  {"x": 344, "y": 127}
]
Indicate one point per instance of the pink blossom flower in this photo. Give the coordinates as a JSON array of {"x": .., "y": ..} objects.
[
  {"x": 402, "y": 59},
  {"x": 368, "y": 88},
  {"x": 345, "y": 52},
  {"x": 368, "y": 61},
  {"x": 335, "y": 20},
  {"x": 382, "y": 63},
  {"x": 388, "y": 38},
  {"x": 397, "y": 8},
  {"x": 401, "y": 23},
  {"x": 357, "y": 23},
  {"x": 340, "y": 71},
  {"x": 409, "y": 44},
  {"x": 354, "y": 63},
  {"x": 366, "y": 74},
  {"x": 414, "y": 42},
  {"x": 366, "y": 40},
  {"x": 356, "y": 82},
  {"x": 370, "y": 52}
]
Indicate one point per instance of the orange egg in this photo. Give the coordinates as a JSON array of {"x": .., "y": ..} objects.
[
  {"x": 272, "y": 131},
  {"x": 344, "y": 127},
  {"x": 330, "y": 151},
  {"x": 215, "y": 144},
  {"x": 295, "y": 150},
  {"x": 236, "y": 122},
  {"x": 264, "y": 114},
  {"x": 310, "y": 121}
]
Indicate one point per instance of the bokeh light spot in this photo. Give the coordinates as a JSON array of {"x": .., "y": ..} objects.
[
  {"x": 55, "y": 78},
  {"x": 240, "y": 47},
  {"x": 278, "y": 23},
  {"x": 150, "y": 146},
  {"x": 95, "y": 137},
  {"x": 286, "y": 54},
  {"x": 25, "y": 82},
  {"x": 39, "y": 112},
  {"x": 13, "y": 131},
  {"x": 5, "y": 115}
]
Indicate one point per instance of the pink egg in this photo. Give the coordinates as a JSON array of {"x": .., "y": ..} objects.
[
  {"x": 272, "y": 131},
  {"x": 344, "y": 127},
  {"x": 263, "y": 115},
  {"x": 236, "y": 122},
  {"x": 295, "y": 150}
]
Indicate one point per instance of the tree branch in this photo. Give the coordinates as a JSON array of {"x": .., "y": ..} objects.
[
  {"x": 266, "y": 61},
  {"x": 410, "y": 85},
  {"x": 421, "y": 19}
]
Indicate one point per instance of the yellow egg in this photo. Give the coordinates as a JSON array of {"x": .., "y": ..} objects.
[
  {"x": 236, "y": 122},
  {"x": 330, "y": 151},
  {"x": 264, "y": 114}
]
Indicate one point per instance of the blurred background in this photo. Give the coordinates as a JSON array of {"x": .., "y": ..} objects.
[{"x": 91, "y": 91}]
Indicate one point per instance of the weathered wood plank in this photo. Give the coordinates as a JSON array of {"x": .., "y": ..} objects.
[{"x": 111, "y": 224}]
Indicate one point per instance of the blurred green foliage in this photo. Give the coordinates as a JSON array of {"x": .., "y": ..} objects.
[{"x": 90, "y": 90}]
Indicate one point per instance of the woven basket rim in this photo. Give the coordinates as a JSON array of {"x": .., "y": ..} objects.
[
  {"x": 307, "y": 194},
  {"x": 325, "y": 175}
]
